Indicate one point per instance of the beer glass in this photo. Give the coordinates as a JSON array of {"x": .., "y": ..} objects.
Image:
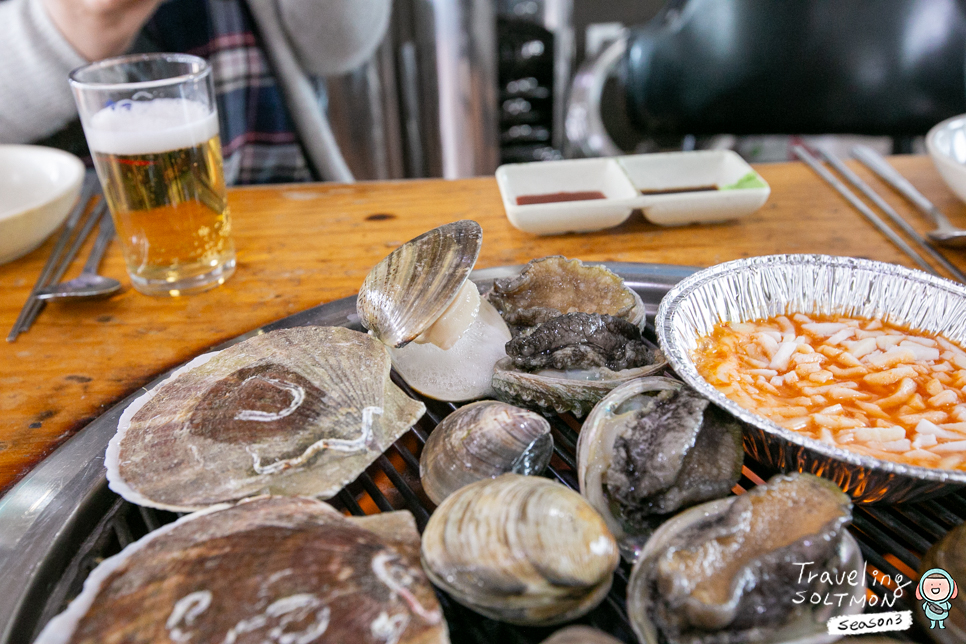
[{"x": 152, "y": 127}]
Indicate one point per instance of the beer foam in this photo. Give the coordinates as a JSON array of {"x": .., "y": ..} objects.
[{"x": 150, "y": 127}]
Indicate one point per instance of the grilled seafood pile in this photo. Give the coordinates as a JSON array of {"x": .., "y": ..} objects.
[{"x": 301, "y": 412}]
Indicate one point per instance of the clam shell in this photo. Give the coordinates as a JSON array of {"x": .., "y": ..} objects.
[
  {"x": 483, "y": 440},
  {"x": 949, "y": 553},
  {"x": 227, "y": 573},
  {"x": 580, "y": 635},
  {"x": 672, "y": 478},
  {"x": 564, "y": 285},
  {"x": 520, "y": 549},
  {"x": 298, "y": 411},
  {"x": 767, "y": 577},
  {"x": 408, "y": 290},
  {"x": 560, "y": 394}
]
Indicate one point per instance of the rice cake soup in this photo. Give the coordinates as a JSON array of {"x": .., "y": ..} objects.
[{"x": 865, "y": 385}]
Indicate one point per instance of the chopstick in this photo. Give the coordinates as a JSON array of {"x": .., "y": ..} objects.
[
  {"x": 859, "y": 205},
  {"x": 890, "y": 212},
  {"x": 58, "y": 262}
]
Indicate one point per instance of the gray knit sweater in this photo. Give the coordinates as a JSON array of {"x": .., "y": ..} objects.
[{"x": 329, "y": 36}]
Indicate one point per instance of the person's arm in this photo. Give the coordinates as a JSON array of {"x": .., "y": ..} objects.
[
  {"x": 41, "y": 41},
  {"x": 334, "y": 36}
]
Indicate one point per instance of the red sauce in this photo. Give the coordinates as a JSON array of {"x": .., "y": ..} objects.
[{"x": 554, "y": 197}]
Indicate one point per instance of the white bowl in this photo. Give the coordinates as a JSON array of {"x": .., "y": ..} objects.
[
  {"x": 946, "y": 144},
  {"x": 38, "y": 186}
]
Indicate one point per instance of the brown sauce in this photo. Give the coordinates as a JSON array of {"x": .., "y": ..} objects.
[{"x": 555, "y": 197}]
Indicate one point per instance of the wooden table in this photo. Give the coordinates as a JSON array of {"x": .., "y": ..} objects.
[{"x": 301, "y": 245}]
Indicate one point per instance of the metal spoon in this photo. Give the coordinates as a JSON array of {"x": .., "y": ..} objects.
[
  {"x": 88, "y": 284},
  {"x": 944, "y": 233}
]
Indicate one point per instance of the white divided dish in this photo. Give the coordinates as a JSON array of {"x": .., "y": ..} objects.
[
  {"x": 577, "y": 175},
  {"x": 38, "y": 186},
  {"x": 671, "y": 188}
]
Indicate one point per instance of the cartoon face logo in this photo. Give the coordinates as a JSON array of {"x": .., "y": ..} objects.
[{"x": 936, "y": 588}]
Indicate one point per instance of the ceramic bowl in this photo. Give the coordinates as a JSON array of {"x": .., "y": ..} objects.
[
  {"x": 946, "y": 144},
  {"x": 38, "y": 186}
]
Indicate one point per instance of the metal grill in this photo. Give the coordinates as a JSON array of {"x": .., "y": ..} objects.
[{"x": 892, "y": 538}]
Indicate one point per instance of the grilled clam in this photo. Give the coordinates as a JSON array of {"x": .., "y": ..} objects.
[
  {"x": 650, "y": 448},
  {"x": 299, "y": 411},
  {"x": 733, "y": 570},
  {"x": 443, "y": 337},
  {"x": 580, "y": 635},
  {"x": 520, "y": 549},
  {"x": 483, "y": 440},
  {"x": 577, "y": 335},
  {"x": 949, "y": 554}
]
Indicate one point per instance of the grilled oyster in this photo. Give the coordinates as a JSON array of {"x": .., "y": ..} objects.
[
  {"x": 580, "y": 635},
  {"x": 949, "y": 554},
  {"x": 297, "y": 411},
  {"x": 227, "y": 575},
  {"x": 483, "y": 440},
  {"x": 520, "y": 549},
  {"x": 650, "y": 448},
  {"x": 552, "y": 286},
  {"x": 443, "y": 337},
  {"x": 577, "y": 335},
  {"x": 731, "y": 570}
]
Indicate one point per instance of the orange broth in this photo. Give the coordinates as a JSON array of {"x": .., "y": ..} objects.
[{"x": 864, "y": 385}]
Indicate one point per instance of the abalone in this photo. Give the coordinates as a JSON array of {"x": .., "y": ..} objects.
[
  {"x": 576, "y": 335},
  {"x": 298, "y": 411},
  {"x": 270, "y": 569},
  {"x": 520, "y": 549},
  {"x": 731, "y": 570},
  {"x": 650, "y": 448},
  {"x": 444, "y": 339},
  {"x": 483, "y": 440}
]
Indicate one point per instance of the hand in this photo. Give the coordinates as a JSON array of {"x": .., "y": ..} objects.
[{"x": 100, "y": 28}]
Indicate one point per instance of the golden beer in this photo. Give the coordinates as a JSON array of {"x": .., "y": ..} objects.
[{"x": 169, "y": 203}]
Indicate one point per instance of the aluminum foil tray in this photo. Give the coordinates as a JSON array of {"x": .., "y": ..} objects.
[{"x": 761, "y": 287}]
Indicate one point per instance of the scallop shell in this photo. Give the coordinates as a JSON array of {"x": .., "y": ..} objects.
[
  {"x": 563, "y": 394},
  {"x": 520, "y": 549},
  {"x": 555, "y": 285},
  {"x": 678, "y": 452},
  {"x": 580, "y": 635},
  {"x": 483, "y": 440},
  {"x": 949, "y": 553},
  {"x": 227, "y": 573},
  {"x": 297, "y": 411},
  {"x": 725, "y": 571},
  {"x": 408, "y": 290}
]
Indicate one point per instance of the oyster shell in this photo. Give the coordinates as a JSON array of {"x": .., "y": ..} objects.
[
  {"x": 949, "y": 553},
  {"x": 731, "y": 570},
  {"x": 652, "y": 447},
  {"x": 444, "y": 338},
  {"x": 576, "y": 335},
  {"x": 551, "y": 286},
  {"x": 227, "y": 575},
  {"x": 580, "y": 635},
  {"x": 520, "y": 549},
  {"x": 483, "y": 440},
  {"x": 297, "y": 411}
]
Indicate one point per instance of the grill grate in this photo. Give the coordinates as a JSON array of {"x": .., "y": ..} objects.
[{"x": 892, "y": 538}]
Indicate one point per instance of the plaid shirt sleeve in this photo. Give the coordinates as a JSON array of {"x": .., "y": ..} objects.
[{"x": 257, "y": 135}]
